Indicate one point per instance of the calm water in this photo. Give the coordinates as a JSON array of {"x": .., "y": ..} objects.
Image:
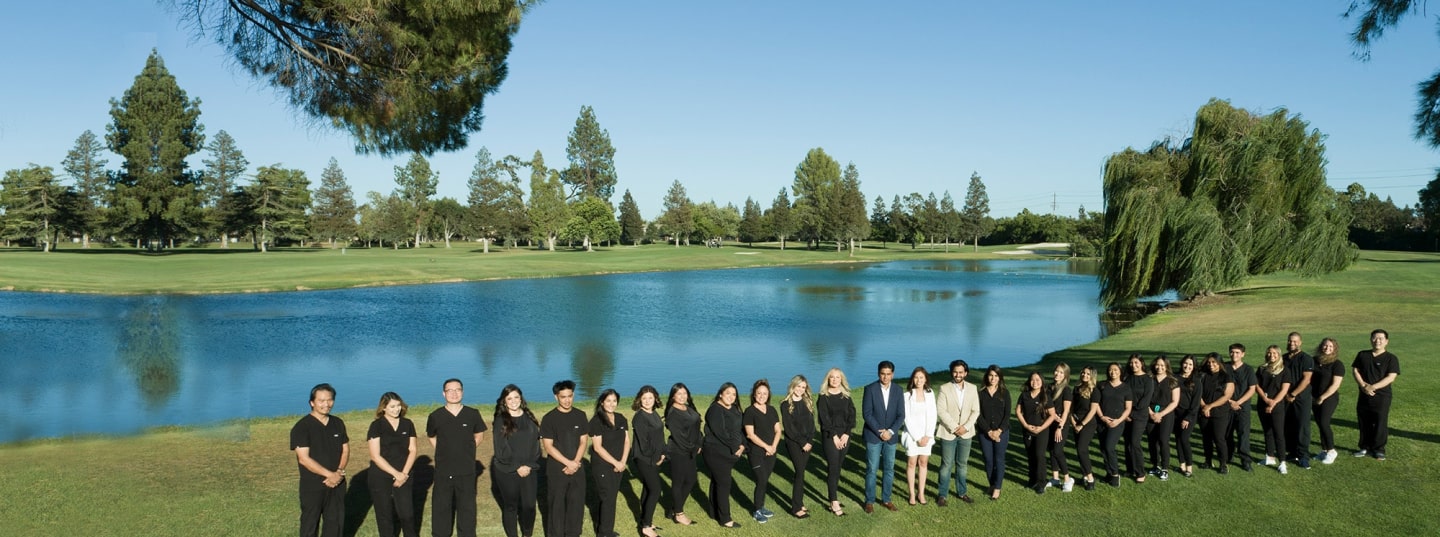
[{"x": 90, "y": 364}]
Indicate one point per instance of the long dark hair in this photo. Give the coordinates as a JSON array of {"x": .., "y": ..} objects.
[
  {"x": 608, "y": 419},
  {"x": 1189, "y": 382},
  {"x": 999, "y": 376},
  {"x": 670, "y": 400},
  {"x": 507, "y": 422}
]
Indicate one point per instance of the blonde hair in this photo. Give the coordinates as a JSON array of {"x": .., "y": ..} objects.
[
  {"x": 1276, "y": 366},
  {"x": 1326, "y": 359},
  {"x": 1058, "y": 387},
  {"x": 790, "y": 403},
  {"x": 1087, "y": 387},
  {"x": 844, "y": 384}
]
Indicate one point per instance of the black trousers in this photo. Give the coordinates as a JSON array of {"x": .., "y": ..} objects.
[
  {"x": 762, "y": 466},
  {"x": 392, "y": 504},
  {"x": 1324, "y": 412},
  {"x": 1240, "y": 434},
  {"x": 607, "y": 489},
  {"x": 721, "y": 465},
  {"x": 1037, "y": 448},
  {"x": 1110, "y": 445},
  {"x": 1373, "y": 413},
  {"x": 834, "y": 457},
  {"x": 1083, "y": 439},
  {"x": 322, "y": 503},
  {"x": 799, "y": 459},
  {"x": 1057, "y": 449},
  {"x": 1160, "y": 442},
  {"x": 517, "y": 501},
  {"x": 649, "y": 492},
  {"x": 682, "y": 479},
  {"x": 1273, "y": 425},
  {"x": 565, "y": 514},
  {"x": 1184, "y": 451},
  {"x": 1216, "y": 436},
  {"x": 453, "y": 506},
  {"x": 1297, "y": 427},
  {"x": 1135, "y": 443}
]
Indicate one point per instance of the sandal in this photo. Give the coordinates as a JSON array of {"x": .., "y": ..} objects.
[
  {"x": 836, "y": 509},
  {"x": 682, "y": 520},
  {"x": 802, "y": 513}
]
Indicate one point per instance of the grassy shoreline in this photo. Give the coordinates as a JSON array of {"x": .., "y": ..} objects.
[
  {"x": 212, "y": 270},
  {"x": 238, "y": 479}
]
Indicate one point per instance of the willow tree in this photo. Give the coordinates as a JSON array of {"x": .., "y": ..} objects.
[{"x": 1245, "y": 195}]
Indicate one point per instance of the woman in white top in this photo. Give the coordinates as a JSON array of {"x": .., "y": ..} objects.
[{"x": 919, "y": 436}]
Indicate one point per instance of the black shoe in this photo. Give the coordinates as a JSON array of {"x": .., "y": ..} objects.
[
  {"x": 1245, "y": 465},
  {"x": 1090, "y": 485},
  {"x": 1040, "y": 489},
  {"x": 1224, "y": 469}
]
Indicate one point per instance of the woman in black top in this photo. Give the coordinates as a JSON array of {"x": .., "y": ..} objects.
[
  {"x": 1142, "y": 388},
  {"x": 683, "y": 421},
  {"x": 1084, "y": 415},
  {"x": 837, "y": 420},
  {"x": 1033, "y": 410},
  {"x": 1274, "y": 385},
  {"x": 1061, "y": 405},
  {"x": 1325, "y": 385},
  {"x": 1186, "y": 410},
  {"x": 993, "y": 427},
  {"x": 797, "y": 415},
  {"x": 514, "y": 470},
  {"x": 649, "y": 453},
  {"x": 1162, "y": 416},
  {"x": 724, "y": 444},
  {"x": 392, "y": 454},
  {"x": 762, "y": 437},
  {"x": 1216, "y": 389},
  {"x": 1116, "y": 405},
  {"x": 609, "y": 450}
]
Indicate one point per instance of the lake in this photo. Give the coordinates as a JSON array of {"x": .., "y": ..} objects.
[{"x": 85, "y": 364}]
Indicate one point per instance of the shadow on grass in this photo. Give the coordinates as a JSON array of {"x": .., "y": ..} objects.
[{"x": 1411, "y": 435}]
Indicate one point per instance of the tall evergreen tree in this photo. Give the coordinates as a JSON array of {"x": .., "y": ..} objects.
[
  {"x": 548, "y": 212},
  {"x": 781, "y": 217},
  {"x": 92, "y": 184},
  {"x": 851, "y": 222},
  {"x": 485, "y": 198},
  {"x": 902, "y": 227},
  {"x": 334, "y": 213},
  {"x": 592, "y": 159},
  {"x": 224, "y": 167},
  {"x": 815, "y": 189},
  {"x": 975, "y": 215},
  {"x": 417, "y": 183},
  {"x": 632, "y": 225},
  {"x": 155, "y": 127},
  {"x": 677, "y": 219},
  {"x": 880, "y": 222},
  {"x": 1429, "y": 208},
  {"x": 752, "y": 225},
  {"x": 949, "y": 219},
  {"x": 1245, "y": 195},
  {"x": 30, "y": 200},
  {"x": 279, "y": 198}
]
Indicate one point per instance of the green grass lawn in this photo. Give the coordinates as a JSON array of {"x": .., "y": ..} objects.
[
  {"x": 239, "y": 479},
  {"x": 240, "y": 269}
]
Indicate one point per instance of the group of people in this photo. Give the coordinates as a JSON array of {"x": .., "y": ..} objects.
[{"x": 1145, "y": 404}]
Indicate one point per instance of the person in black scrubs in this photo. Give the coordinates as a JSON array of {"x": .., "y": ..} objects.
[
  {"x": 1162, "y": 417},
  {"x": 683, "y": 421},
  {"x": 515, "y": 468},
  {"x": 1375, "y": 370},
  {"x": 797, "y": 417},
  {"x": 649, "y": 453},
  {"x": 1084, "y": 415},
  {"x": 837, "y": 420},
  {"x": 322, "y": 450},
  {"x": 391, "y": 440},
  {"x": 1062, "y": 402},
  {"x": 1329, "y": 374},
  {"x": 1033, "y": 410},
  {"x": 762, "y": 436},
  {"x": 993, "y": 427},
  {"x": 1217, "y": 389},
  {"x": 1142, "y": 388},
  {"x": 1244, "y": 377},
  {"x": 1116, "y": 405},
  {"x": 1187, "y": 412},
  {"x": 1299, "y": 402},
  {"x": 609, "y": 449},
  {"x": 563, "y": 438},
  {"x": 724, "y": 444},
  {"x": 1273, "y": 385},
  {"x": 454, "y": 431}
]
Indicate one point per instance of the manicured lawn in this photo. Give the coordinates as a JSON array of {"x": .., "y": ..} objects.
[
  {"x": 240, "y": 269},
  {"x": 239, "y": 479}
]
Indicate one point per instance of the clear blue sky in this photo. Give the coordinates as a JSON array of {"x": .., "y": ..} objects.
[{"x": 728, "y": 96}]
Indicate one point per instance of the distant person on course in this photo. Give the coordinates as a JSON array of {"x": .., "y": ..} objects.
[{"x": 322, "y": 450}]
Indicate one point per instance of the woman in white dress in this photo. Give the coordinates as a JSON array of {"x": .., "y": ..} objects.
[{"x": 919, "y": 436}]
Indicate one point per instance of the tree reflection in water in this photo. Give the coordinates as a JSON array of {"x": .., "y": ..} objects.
[{"x": 150, "y": 349}]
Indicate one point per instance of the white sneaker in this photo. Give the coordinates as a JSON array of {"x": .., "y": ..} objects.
[
  {"x": 1270, "y": 461},
  {"x": 1330, "y": 457},
  {"x": 1069, "y": 484},
  {"x": 1283, "y": 471},
  {"x": 1361, "y": 453}
]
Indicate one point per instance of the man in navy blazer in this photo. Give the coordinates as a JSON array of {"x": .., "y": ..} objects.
[{"x": 883, "y": 407}]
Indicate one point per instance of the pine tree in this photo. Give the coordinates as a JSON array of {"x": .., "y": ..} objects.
[
  {"x": 782, "y": 220},
  {"x": 632, "y": 225},
  {"x": 225, "y": 165},
  {"x": 155, "y": 127},
  {"x": 334, "y": 214},
  {"x": 751, "y": 222},
  {"x": 417, "y": 182},
  {"x": 279, "y": 198},
  {"x": 850, "y": 220},
  {"x": 30, "y": 200},
  {"x": 880, "y": 222},
  {"x": 548, "y": 212},
  {"x": 92, "y": 184},
  {"x": 816, "y": 204},
  {"x": 975, "y": 215},
  {"x": 592, "y": 159},
  {"x": 677, "y": 219}
]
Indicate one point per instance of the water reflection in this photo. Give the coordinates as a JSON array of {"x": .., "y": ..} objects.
[{"x": 150, "y": 350}]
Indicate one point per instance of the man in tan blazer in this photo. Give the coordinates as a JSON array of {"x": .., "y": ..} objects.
[{"x": 958, "y": 404}]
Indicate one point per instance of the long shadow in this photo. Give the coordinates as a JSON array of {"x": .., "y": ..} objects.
[
  {"x": 358, "y": 502},
  {"x": 1412, "y": 435},
  {"x": 423, "y": 472}
]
